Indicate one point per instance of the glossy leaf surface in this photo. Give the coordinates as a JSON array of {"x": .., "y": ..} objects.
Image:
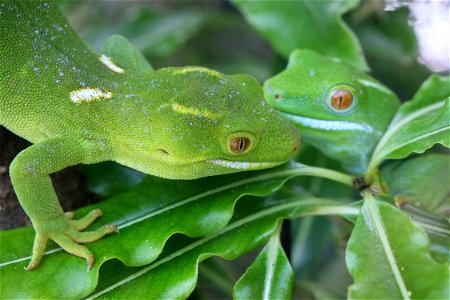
[
  {"x": 389, "y": 257},
  {"x": 422, "y": 180},
  {"x": 420, "y": 187},
  {"x": 147, "y": 216},
  {"x": 290, "y": 25},
  {"x": 269, "y": 277},
  {"x": 418, "y": 124},
  {"x": 254, "y": 226}
]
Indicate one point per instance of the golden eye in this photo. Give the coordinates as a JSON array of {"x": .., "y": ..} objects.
[
  {"x": 239, "y": 144},
  {"x": 341, "y": 99}
]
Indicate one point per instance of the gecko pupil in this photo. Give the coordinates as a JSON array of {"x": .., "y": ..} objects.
[
  {"x": 239, "y": 144},
  {"x": 341, "y": 99}
]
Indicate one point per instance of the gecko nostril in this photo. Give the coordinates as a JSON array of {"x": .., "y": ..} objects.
[{"x": 277, "y": 97}]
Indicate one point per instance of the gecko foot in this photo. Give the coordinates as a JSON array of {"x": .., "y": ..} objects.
[{"x": 66, "y": 233}]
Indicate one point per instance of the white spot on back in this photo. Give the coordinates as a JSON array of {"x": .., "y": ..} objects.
[
  {"x": 108, "y": 62},
  {"x": 186, "y": 70},
  {"x": 89, "y": 95},
  {"x": 193, "y": 111}
]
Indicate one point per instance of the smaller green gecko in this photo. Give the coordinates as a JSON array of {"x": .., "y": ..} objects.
[
  {"x": 341, "y": 111},
  {"x": 77, "y": 107}
]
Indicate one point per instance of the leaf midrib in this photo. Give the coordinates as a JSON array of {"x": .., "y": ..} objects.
[
  {"x": 268, "y": 211},
  {"x": 417, "y": 138},
  {"x": 395, "y": 127},
  {"x": 272, "y": 255},
  {"x": 374, "y": 215}
]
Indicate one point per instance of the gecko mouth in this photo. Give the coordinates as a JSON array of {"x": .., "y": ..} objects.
[
  {"x": 329, "y": 125},
  {"x": 242, "y": 165}
]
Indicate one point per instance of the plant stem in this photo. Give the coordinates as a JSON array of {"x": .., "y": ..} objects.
[{"x": 323, "y": 173}]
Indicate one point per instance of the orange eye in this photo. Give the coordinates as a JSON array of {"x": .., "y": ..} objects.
[
  {"x": 341, "y": 99},
  {"x": 239, "y": 144}
]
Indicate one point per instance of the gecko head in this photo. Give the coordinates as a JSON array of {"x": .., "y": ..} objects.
[
  {"x": 328, "y": 95},
  {"x": 217, "y": 124},
  {"x": 335, "y": 105}
]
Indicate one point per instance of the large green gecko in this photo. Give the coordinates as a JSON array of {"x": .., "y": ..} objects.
[
  {"x": 341, "y": 110},
  {"x": 78, "y": 107}
]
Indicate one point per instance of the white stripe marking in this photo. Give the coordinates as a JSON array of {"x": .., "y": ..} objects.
[
  {"x": 244, "y": 165},
  {"x": 89, "y": 95},
  {"x": 108, "y": 62},
  {"x": 330, "y": 125}
]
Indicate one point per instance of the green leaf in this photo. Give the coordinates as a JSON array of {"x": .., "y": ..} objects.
[
  {"x": 154, "y": 32},
  {"x": 316, "y": 25},
  {"x": 147, "y": 216},
  {"x": 422, "y": 180},
  {"x": 418, "y": 124},
  {"x": 389, "y": 257},
  {"x": 174, "y": 276},
  {"x": 390, "y": 46},
  {"x": 270, "y": 276},
  {"x": 420, "y": 187},
  {"x": 109, "y": 178},
  {"x": 311, "y": 245}
]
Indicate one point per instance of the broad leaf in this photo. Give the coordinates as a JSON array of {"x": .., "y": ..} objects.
[
  {"x": 418, "y": 124},
  {"x": 420, "y": 186},
  {"x": 389, "y": 257},
  {"x": 422, "y": 180},
  {"x": 147, "y": 216},
  {"x": 316, "y": 25},
  {"x": 270, "y": 276},
  {"x": 109, "y": 178}
]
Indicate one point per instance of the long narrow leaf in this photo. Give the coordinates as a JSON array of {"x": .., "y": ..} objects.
[
  {"x": 147, "y": 216},
  {"x": 418, "y": 124},
  {"x": 174, "y": 276}
]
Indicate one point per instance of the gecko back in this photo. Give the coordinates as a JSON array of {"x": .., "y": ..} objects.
[{"x": 40, "y": 53}]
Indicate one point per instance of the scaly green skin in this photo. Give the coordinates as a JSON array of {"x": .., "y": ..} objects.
[
  {"x": 76, "y": 106},
  {"x": 303, "y": 91}
]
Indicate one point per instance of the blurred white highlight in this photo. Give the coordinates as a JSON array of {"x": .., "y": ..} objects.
[{"x": 431, "y": 22}]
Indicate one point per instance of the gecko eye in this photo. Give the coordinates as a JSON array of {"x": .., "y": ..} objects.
[
  {"x": 341, "y": 100},
  {"x": 239, "y": 144}
]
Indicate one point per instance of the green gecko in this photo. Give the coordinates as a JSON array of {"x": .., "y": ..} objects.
[
  {"x": 78, "y": 107},
  {"x": 341, "y": 111}
]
